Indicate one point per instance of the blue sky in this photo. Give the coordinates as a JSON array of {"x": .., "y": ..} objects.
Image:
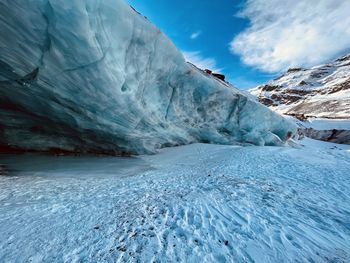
[{"x": 252, "y": 41}]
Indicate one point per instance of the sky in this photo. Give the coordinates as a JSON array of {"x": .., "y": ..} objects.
[{"x": 253, "y": 41}]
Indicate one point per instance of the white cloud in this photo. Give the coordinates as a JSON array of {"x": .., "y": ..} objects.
[
  {"x": 196, "y": 58},
  {"x": 292, "y": 33},
  {"x": 195, "y": 35}
]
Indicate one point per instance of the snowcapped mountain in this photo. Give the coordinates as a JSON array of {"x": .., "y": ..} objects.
[
  {"x": 322, "y": 91},
  {"x": 96, "y": 76},
  {"x": 319, "y": 97}
]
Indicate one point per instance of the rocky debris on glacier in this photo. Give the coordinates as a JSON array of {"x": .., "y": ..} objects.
[
  {"x": 96, "y": 76},
  {"x": 320, "y": 94},
  {"x": 217, "y": 75}
]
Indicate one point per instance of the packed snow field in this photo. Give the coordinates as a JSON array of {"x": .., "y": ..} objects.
[{"x": 196, "y": 203}]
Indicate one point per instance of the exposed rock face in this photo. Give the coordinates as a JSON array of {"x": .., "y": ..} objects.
[
  {"x": 334, "y": 135},
  {"x": 322, "y": 91},
  {"x": 329, "y": 130},
  {"x": 96, "y": 76}
]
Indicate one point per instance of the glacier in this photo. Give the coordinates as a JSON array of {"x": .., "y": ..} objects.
[{"x": 96, "y": 76}]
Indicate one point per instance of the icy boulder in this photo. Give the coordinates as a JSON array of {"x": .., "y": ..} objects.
[{"x": 96, "y": 76}]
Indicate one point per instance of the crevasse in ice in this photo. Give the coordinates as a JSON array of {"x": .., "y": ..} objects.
[{"x": 96, "y": 76}]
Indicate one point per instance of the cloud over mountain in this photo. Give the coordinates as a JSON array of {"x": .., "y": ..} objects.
[{"x": 292, "y": 33}]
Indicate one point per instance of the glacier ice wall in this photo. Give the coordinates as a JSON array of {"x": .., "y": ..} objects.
[{"x": 96, "y": 76}]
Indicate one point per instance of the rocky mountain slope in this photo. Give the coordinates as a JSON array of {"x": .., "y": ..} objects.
[
  {"x": 322, "y": 91},
  {"x": 96, "y": 76},
  {"x": 320, "y": 94}
]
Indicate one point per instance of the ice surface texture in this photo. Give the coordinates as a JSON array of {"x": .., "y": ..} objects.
[
  {"x": 96, "y": 76},
  {"x": 259, "y": 204}
]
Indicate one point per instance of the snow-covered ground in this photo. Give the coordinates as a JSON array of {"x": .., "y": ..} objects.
[
  {"x": 327, "y": 124},
  {"x": 196, "y": 203}
]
